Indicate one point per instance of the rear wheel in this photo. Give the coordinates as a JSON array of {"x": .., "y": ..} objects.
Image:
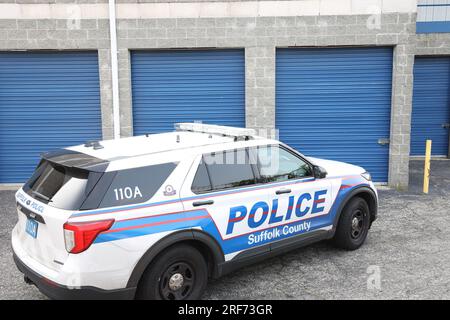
[
  {"x": 353, "y": 225},
  {"x": 179, "y": 273}
]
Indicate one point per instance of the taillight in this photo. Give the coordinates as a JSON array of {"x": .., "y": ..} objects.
[{"x": 78, "y": 236}]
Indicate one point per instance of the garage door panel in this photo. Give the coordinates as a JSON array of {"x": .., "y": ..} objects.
[
  {"x": 47, "y": 101},
  {"x": 183, "y": 86},
  {"x": 431, "y": 105},
  {"x": 335, "y": 103}
]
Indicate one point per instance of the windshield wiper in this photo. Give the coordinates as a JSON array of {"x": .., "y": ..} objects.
[{"x": 40, "y": 195}]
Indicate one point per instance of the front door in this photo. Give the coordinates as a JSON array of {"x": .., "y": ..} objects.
[{"x": 299, "y": 202}]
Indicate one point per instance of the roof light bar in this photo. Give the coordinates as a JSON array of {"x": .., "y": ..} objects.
[{"x": 214, "y": 129}]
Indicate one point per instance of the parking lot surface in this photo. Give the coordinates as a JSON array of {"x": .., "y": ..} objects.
[{"x": 406, "y": 255}]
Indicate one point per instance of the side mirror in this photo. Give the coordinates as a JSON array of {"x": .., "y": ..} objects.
[{"x": 319, "y": 172}]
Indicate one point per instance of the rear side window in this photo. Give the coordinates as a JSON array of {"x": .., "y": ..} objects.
[
  {"x": 229, "y": 169},
  {"x": 136, "y": 185}
]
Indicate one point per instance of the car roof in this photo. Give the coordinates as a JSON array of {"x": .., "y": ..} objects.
[{"x": 164, "y": 147}]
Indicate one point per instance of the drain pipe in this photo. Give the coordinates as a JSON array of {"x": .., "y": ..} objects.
[{"x": 114, "y": 68}]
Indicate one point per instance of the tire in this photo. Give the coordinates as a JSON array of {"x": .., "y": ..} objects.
[
  {"x": 178, "y": 273},
  {"x": 350, "y": 233}
]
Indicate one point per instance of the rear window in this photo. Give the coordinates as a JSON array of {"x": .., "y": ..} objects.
[
  {"x": 78, "y": 189},
  {"x": 59, "y": 186}
]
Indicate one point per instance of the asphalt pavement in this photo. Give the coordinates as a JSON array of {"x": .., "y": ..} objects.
[{"x": 406, "y": 255}]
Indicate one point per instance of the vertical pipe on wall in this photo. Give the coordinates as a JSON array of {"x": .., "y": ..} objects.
[{"x": 114, "y": 68}]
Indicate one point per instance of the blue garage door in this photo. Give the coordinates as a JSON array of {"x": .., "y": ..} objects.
[
  {"x": 335, "y": 103},
  {"x": 184, "y": 86},
  {"x": 47, "y": 101},
  {"x": 431, "y": 105}
]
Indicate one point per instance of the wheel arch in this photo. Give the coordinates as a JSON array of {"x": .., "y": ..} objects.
[
  {"x": 203, "y": 242},
  {"x": 368, "y": 195}
]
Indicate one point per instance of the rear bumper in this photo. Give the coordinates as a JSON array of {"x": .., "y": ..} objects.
[{"x": 60, "y": 292}]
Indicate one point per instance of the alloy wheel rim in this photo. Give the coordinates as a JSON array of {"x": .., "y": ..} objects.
[
  {"x": 177, "y": 281},
  {"x": 357, "y": 224}
]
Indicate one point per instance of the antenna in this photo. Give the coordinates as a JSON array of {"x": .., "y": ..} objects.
[{"x": 93, "y": 143}]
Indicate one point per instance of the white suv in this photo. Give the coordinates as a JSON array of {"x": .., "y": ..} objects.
[{"x": 155, "y": 216}]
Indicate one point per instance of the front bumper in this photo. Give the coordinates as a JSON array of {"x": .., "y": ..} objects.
[{"x": 60, "y": 292}]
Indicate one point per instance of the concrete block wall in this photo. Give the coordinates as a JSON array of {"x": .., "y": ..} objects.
[{"x": 259, "y": 36}]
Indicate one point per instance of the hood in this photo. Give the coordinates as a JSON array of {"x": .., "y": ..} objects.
[{"x": 337, "y": 168}]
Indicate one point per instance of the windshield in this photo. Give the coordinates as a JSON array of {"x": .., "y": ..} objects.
[{"x": 59, "y": 186}]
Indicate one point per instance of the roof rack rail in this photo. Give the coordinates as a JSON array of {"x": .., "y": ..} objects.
[
  {"x": 237, "y": 133},
  {"x": 93, "y": 143}
]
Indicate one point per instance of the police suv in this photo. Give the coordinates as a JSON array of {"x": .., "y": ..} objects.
[{"x": 156, "y": 216}]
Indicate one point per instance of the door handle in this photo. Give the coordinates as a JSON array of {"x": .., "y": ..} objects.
[
  {"x": 202, "y": 203},
  {"x": 384, "y": 141},
  {"x": 283, "y": 191},
  {"x": 446, "y": 125}
]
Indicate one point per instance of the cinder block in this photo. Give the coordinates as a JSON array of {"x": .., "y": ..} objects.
[
  {"x": 216, "y": 32},
  {"x": 327, "y": 20},
  {"x": 196, "y": 33},
  {"x": 176, "y": 33},
  {"x": 326, "y": 41},
  {"x": 285, "y": 22},
  {"x": 346, "y": 20},
  {"x": 306, "y": 21},
  {"x": 26, "y": 24},
  {"x": 137, "y": 33},
  {"x": 166, "y": 43},
  {"x": 306, "y": 41},
  {"x": 166, "y": 23},
  {"x": 98, "y": 34},
  {"x": 8, "y": 24},
  {"x": 186, "y": 23},
  {"x": 265, "y": 22},
  {"x": 157, "y": 33},
  {"x": 88, "y": 24},
  {"x": 127, "y": 24},
  {"x": 17, "y": 34},
  {"x": 147, "y": 23},
  {"x": 46, "y": 24},
  {"x": 387, "y": 39},
  {"x": 187, "y": 43},
  {"x": 345, "y": 40},
  {"x": 206, "y": 23},
  {"x": 37, "y": 34},
  {"x": 77, "y": 34}
]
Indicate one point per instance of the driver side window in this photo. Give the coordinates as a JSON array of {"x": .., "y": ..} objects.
[{"x": 277, "y": 164}]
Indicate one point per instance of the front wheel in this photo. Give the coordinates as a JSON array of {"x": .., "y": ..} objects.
[
  {"x": 353, "y": 225},
  {"x": 179, "y": 273}
]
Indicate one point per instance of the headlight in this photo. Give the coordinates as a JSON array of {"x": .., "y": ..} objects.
[{"x": 366, "y": 176}]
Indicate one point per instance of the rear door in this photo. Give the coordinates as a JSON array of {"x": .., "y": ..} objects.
[
  {"x": 224, "y": 185},
  {"x": 300, "y": 203}
]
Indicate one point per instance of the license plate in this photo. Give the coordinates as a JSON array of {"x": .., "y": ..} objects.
[{"x": 32, "y": 228}]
